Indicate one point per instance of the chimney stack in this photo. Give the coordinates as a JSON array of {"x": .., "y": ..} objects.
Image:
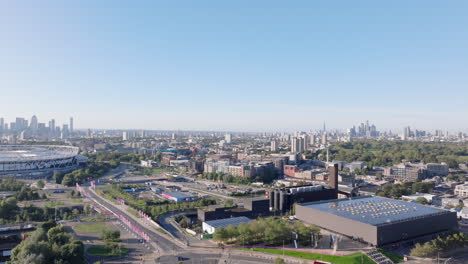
[{"x": 333, "y": 176}]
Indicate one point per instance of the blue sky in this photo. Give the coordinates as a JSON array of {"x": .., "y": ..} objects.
[{"x": 236, "y": 65}]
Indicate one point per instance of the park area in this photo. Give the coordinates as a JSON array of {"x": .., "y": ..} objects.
[
  {"x": 102, "y": 239},
  {"x": 356, "y": 258},
  {"x": 106, "y": 251}
]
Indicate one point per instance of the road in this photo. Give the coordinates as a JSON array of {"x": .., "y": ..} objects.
[
  {"x": 172, "y": 251},
  {"x": 168, "y": 250},
  {"x": 162, "y": 243}
]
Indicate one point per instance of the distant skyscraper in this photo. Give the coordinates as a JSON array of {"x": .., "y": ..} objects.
[
  {"x": 406, "y": 133},
  {"x": 71, "y": 124},
  {"x": 297, "y": 144},
  {"x": 20, "y": 124},
  {"x": 312, "y": 139},
  {"x": 228, "y": 138},
  {"x": 65, "y": 132},
  {"x": 274, "y": 146},
  {"x": 52, "y": 125},
  {"x": 324, "y": 139},
  {"x": 33, "y": 125},
  {"x": 125, "y": 136},
  {"x": 2, "y": 123}
]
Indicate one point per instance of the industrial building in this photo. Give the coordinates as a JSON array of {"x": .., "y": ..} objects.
[
  {"x": 177, "y": 196},
  {"x": 376, "y": 220},
  {"x": 252, "y": 208},
  {"x": 282, "y": 199}
]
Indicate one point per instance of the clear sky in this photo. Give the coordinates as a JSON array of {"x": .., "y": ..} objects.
[{"x": 236, "y": 65}]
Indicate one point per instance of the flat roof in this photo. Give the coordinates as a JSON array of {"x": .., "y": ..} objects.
[
  {"x": 374, "y": 210},
  {"x": 177, "y": 195},
  {"x": 228, "y": 221}
]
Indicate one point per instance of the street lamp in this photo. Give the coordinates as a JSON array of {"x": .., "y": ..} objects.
[{"x": 283, "y": 248}]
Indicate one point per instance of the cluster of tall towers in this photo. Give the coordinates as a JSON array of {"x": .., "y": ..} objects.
[{"x": 34, "y": 129}]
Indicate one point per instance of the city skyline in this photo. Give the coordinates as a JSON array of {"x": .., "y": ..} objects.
[
  {"x": 240, "y": 66},
  {"x": 360, "y": 129}
]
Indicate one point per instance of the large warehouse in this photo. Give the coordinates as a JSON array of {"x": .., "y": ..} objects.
[
  {"x": 38, "y": 161},
  {"x": 376, "y": 220}
]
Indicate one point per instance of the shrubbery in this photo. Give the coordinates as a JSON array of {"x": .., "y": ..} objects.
[
  {"x": 441, "y": 245},
  {"x": 271, "y": 231},
  {"x": 47, "y": 245},
  {"x": 387, "y": 153}
]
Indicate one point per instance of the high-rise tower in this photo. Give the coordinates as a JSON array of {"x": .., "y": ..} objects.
[{"x": 71, "y": 125}]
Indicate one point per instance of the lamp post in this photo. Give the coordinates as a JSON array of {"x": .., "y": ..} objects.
[{"x": 283, "y": 248}]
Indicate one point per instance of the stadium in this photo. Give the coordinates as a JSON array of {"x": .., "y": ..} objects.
[
  {"x": 377, "y": 220},
  {"x": 23, "y": 161}
]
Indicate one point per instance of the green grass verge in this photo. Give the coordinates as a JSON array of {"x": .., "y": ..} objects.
[
  {"x": 133, "y": 212},
  {"x": 160, "y": 230},
  {"x": 93, "y": 228},
  {"x": 356, "y": 258},
  {"x": 392, "y": 256},
  {"x": 102, "y": 251},
  {"x": 77, "y": 200},
  {"x": 52, "y": 204},
  {"x": 93, "y": 219}
]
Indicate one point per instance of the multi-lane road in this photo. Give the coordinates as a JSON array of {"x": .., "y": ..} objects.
[
  {"x": 169, "y": 250},
  {"x": 174, "y": 249}
]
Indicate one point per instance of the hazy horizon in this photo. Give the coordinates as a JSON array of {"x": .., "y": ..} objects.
[{"x": 239, "y": 66}]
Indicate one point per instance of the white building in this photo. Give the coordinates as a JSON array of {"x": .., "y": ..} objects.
[
  {"x": 461, "y": 190},
  {"x": 210, "y": 227},
  {"x": 274, "y": 146},
  {"x": 414, "y": 197},
  {"x": 147, "y": 163},
  {"x": 228, "y": 138},
  {"x": 126, "y": 136}
]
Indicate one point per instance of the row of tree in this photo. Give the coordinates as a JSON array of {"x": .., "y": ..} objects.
[
  {"x": 154, "y": 208},
  {"x": 387, "y": 153},
  {"x": 266, "y": 177},
  {"x": 117, "y": 157},
  {"x": 269, "y": 231},
  {"x": 407, "y": 188},
  {"x": 49, "y": 244},
  {"x": 23, "y": 192},
  {"x": 93, "y": 171},
  {"x": 441, "y": 245}
]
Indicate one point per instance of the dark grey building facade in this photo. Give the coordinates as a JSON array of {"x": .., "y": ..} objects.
[{"x": 376, "y": 220}]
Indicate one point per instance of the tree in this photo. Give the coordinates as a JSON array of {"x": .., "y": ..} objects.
[
  {"x": 48, "y": 225},
  {"x": 40, "y": 184},
  {"x": 87, "y": 209},
  {"x": 183, "y": 223},
  {"x": 221, "y": 234},
  {"x": 58, "y": 176},
  {"x": 53, "y": 246},
  {"x": 379, "y": 176},
  {"x": 422, "y": 200},
  {"x": 68, "y": 180},
  {"x": 58, "y": 236},
  {"x": 158, "y": 156},
  {"x": 279, "y": 261},
  {"x": 111, "y": 236}
]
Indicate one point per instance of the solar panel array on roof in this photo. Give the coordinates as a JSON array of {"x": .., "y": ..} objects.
[
  {"x": 374, "y": 210},
  {"x": 228, "y": 221},
  {"x": 178, "y": 195}
]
